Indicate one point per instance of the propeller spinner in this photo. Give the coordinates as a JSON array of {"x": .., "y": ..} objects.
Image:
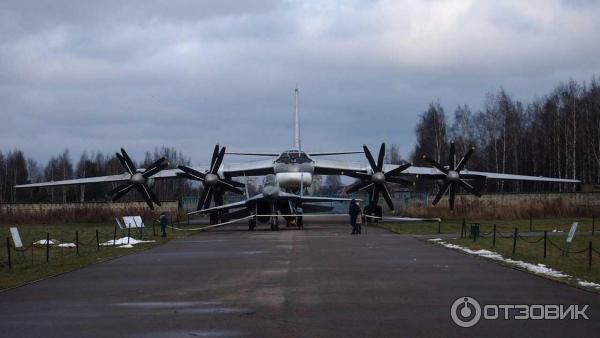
[{"x": 140, "y": 180}]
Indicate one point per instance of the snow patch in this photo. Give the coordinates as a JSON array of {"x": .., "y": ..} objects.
[
  {"x": 588, "y": 284},
  {"x": 540, "y": 269},
  {"x": 67, "y": 245},
  {"x": 43, "y": 242},
  {"x": 125, "y": 242},
  {"x": 435, "y": 239}
]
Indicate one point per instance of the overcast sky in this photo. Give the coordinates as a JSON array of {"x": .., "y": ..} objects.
[{"x": 99, "y": 75}]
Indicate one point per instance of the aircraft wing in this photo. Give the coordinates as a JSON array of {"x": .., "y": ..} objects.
[
  {"x": 333, "y": 167},
  {"x": 240, "y": 204},
  {"x": 77, "y": 181},
  {"x": 433, "y": 172},
  {"x": 313, "y": 198},
  {"x": 255, "y": 168}
]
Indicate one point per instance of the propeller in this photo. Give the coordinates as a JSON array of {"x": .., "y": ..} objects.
[
  {"x": 141, "y": 180},
  {"x": 375, "y": 181},
  {"x": 452, "y": 176},
  {"x": 214, "y": 185}
]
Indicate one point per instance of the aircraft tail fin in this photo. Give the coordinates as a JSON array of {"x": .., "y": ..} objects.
[{"x": 297, "y": 144}]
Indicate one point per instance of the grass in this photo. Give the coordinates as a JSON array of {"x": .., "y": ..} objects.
[
  {"x": 575, "y": 264},
  {"x": 504, "y": 226},
  {"x": 30, "y": 264}
]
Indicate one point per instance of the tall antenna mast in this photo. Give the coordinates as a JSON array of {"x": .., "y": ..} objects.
[{"x": 297, "y": 144}]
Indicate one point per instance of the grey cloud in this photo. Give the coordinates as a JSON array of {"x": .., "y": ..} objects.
[{"x": 141, "y": 74}]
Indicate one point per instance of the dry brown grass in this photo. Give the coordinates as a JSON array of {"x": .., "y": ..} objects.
[{"x": 493, "y": 210}]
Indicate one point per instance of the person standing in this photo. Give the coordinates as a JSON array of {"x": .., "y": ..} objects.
[
  {"x": 163, "y": 223},
  {"x": 359, "y": 217},
  {"x": 353, "y": 211}
]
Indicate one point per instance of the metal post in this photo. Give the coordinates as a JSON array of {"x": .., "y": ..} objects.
[
  {"x": 494, "y": 237},
  {"x": 128, "y": 233},
  {"x": 154, "y": 228},
  {"x": 545, "y": 242},
  {"x": 530, "y": 222},
  {"x": 32, "y": 253},
  {"x": 593, "y": 224},
  {"x": 515, "y": 240},
  {"x": 141, "y": 232},
  {"x": 97, "y": 240},
  {"x": 439, "y": 227},
  {"x": 115, "y": 236},
  {"x": 462, "y": 228},
  {"x": 77, "y": 241},
  {"x": 590, "y": 256},
  {"x": 47, "y": 246},
  {"x": 8, "y": 250}
]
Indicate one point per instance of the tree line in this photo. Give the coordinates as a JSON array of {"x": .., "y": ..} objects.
[
  {"x": 555, "y": 135},
  {"x": 16, "y": 169}
]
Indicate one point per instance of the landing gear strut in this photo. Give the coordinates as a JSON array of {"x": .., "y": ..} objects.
[
  {"x": 251, "y": 224},
  {"x": 373, "y": 210},
  {"x": 274, "y": 223}
]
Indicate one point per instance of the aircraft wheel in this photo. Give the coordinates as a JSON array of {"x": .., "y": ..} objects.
[{"x": 251, "y": 224}]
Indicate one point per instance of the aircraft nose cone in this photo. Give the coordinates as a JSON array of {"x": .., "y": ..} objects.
[
  {"x": 378, "y": 177},
  {"x": 137, "y": 178},
  {"x": 453, "y": 176},
  {"x": 211, "y": 179}
]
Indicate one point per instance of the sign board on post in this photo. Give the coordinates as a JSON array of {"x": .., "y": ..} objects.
[
  {"x": 14, "y": 232},
  {"x": 572, "y": 232},
  {"x": 133, "y": 222}
]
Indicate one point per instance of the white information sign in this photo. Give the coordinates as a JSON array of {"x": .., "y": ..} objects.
[
  {"x": 133, "y": 222},
  {"x": 572, "y": 232},
  {"x": 14, "y": 232}
]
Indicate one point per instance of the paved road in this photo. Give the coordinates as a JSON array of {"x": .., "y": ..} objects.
[{"x": 320, "y": 282}]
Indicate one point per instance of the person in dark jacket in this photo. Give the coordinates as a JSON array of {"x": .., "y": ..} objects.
[
  {"x": 353, "y": 211},
  {"x": 163, "y": 223}
]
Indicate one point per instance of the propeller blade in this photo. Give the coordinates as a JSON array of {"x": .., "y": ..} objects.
[
  {"x": 469, "y": 188},
  {"x": 217, "y": 164},
  {"x": 229, "y": 187},
  {"x": 387, "y": 197},
  {"x": 398, "y": 170},
  {"x": 119, "y": 191},
  {"x": 146, "y": 197},
  {"x": 151, "y": 194},
  {"x": 435, "y": 164},
  {"x": 381, "y": 157},
  {"x": 463, "y": 162},
  {"x": 124, "y": 164},
  {"x": 214, "y": 155},
  {"x": 357, "y": 186},
  {"x": 452, "y": 196},
  {"x": 155, "y": 167},
  {"x": 375, "y": 199},
  {"x": 193, "y": 174},
  {"x": 398, "y": 180},
  {"x": 440, "y": 193},
  {"x": 128, "y": 160},
  {"x": 234, "y": 183},
  {"x": 188, "y": 176},
  {"x": 204, "y": 199},
  {"x": 452, "y": 156},
  {"x": 370, "y": 158},
  {"x": 359, "y": 175}
]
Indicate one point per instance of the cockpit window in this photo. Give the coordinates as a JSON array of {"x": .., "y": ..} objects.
[{"x": 293, "y": 156}]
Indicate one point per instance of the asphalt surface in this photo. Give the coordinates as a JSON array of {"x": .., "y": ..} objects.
[{"x": 317, "y": 282}]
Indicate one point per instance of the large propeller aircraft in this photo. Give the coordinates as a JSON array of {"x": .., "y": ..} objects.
[{"x": 293, "y": 172}]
